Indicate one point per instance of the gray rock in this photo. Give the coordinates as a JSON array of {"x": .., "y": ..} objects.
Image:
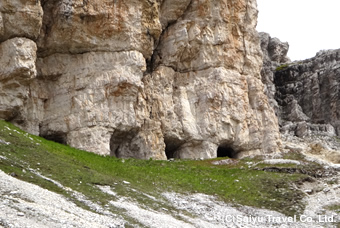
[
  {"x": 274, "y": 54},
  {"x": 304, "y": 94},
  {"x": 309, "y": 91},
  {"x": 325, "y": 190},
  {"x": 20, "y": 19}
]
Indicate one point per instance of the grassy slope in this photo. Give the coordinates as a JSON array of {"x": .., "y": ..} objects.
[{"x": 81, "y": 170}]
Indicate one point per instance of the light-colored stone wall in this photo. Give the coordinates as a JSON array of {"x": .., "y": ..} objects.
[{"x": 144, "y": 79}]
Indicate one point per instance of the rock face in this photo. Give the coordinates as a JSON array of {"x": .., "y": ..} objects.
[
  {"x": 20, "y": 19},
  {"x": 17, "y": 59},
  {"x": 20, "y": 23},
  {"x": 274, "y": 55},
  {"x": 308, "y": 93},
  {"x": 144, "y": 79},
  {"x": 305, "y": 94}
]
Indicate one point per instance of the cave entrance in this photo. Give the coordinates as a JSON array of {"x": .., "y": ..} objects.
[
  {"x": 119, "y": 142},
  {"x": 170, "y": 150},
  {"x": 169, "y": 153},
  {"x": 226, "y": 151},
  {"x": 117, "y": 138},
  {"x": 171, "y": 147},
  {"x": 58, "y": 137}
]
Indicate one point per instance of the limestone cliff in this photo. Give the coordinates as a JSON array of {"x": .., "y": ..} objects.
[
  {"x": 305, "y": 94},
  {"x": 308, "y": 93},
  {"x": 274, "y": 55},
  {"x": 143, "y": 79}
]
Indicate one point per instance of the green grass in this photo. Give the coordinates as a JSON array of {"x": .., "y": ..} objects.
[
  {"x": 281, "y": 67},
  {"x": 334, "y": 207},
  {"x": 82, "y": 171}
]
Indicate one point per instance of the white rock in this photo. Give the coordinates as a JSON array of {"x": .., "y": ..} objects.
[
  {"x": 281, "y": 161},
  {"x": 146, "y": 79},
  {"x": 17, "y": 61}
]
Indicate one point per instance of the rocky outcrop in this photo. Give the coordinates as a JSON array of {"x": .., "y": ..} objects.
[
  {"x": 305, "y": 94},
  {"x": 20, "y": 19},
  {"x": 274, "y": 55},
  {"x": 209, "y": 93},
  {"x": 308, "y": 93},
  {"x": 143, "y": 79},
  {"x": 17, "y": 60},
  {"x": 20, "y": 23}
]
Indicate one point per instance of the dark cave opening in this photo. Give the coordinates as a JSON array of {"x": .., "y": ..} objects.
[
  {"x": 116, "y": 140},
  {"x": 169, "y": 151},
  {"x": 114, "y": 150},
  {"x": 226, "y": 151},
  {"x": 171, "y": 147},
  {"x": 119, "y": 141},
  {"x": 169, "y": 154},
  {"x": 56, "y": 137}
]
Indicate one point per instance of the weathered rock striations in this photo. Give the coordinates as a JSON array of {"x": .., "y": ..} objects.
[
  {"x": 305, "y": 94},
  {"x": 17, "y": 59},
  {"x": 274, "y": 55},
  {"x": 20, "y": 19},
  {"x": 143, "y": 79},
  {"x": 79, "y": 26},
  {"x": 20, "y": 23},
  {"x": 308, "y": 93}
]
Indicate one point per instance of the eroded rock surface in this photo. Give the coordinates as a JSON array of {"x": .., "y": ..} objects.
[
  {"x": 20, "y": 19},
  {"x": 17, "y": 72},
  {"x": 20, "y": 23},
  {"x": 143, "y": 79},
  {"x": 111, "y": 26},
  {"x": 305, "y": 94},
  {"x": 308, "y": 93},
  {"x": 274, "y": 56}
]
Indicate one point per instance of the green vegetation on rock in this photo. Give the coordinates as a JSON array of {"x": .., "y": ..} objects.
[
  {"x": 282, "y": 67},
  {"x": 335, "y": 208}
]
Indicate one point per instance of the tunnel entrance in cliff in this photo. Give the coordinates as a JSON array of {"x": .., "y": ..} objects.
[{"x": 226, "y": 151}]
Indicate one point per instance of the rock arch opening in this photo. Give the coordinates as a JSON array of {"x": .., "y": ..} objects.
[{"x": 226, "y": 151}]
